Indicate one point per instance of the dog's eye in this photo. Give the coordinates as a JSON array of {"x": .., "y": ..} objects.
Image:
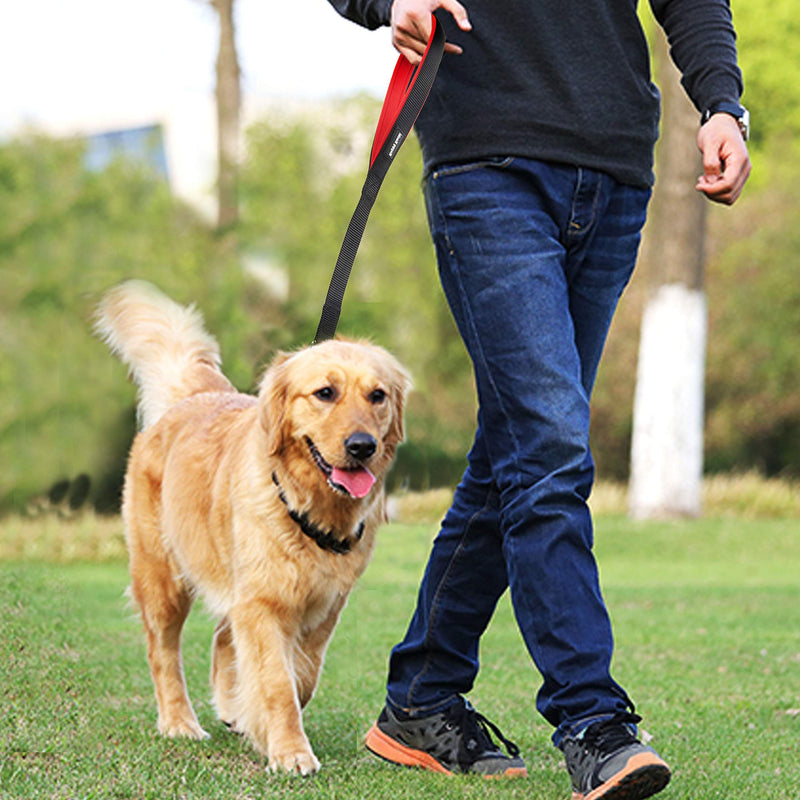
[
  {"x": 377, "y": 396},
  {"x": 327, "y": 394}
]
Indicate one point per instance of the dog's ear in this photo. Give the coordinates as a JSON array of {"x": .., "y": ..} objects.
[
  {"x": 400, "y": 387},
  {"x": 272, "y": 399}
]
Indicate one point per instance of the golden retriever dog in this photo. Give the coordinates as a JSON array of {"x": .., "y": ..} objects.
[{"x": 266, "y": 506}]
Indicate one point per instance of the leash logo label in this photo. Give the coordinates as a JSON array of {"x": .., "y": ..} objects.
[{"x": 395, "y": 144}]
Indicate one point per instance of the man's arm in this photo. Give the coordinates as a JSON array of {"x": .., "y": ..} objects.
[
  {"x": 369, "y": 13},
  {"x": 410, "y": 21},
  {"x": 703, "y": 46}
]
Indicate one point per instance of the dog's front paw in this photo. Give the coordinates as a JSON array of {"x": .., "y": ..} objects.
[
  {"x": 233, "y": 727},
  {"x": 299, "y": 762},
  {"x": 182, "y": 727}
]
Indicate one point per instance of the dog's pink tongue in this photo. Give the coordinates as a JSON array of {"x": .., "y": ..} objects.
[{"x": 357, "y": 481}]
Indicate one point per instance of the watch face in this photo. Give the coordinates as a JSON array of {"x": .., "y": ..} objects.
[{"x": 744, "y": 123}]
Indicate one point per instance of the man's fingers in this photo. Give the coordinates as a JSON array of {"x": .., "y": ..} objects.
[
  {"x": 411, "y": 25},
  {"x": 411, "y": 28},
  {"x": 459, "y": 13},
  {"x": 414, "y": 51},
  {"x": 727, "y": 186},
  {"x": 721, "y": 190},
  {"x": 409, "y": 48}
]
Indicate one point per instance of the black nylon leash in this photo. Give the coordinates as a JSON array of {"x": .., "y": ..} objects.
[{"x": 407, "y": 93}]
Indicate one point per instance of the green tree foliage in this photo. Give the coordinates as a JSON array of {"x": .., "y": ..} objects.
[
  {"x": 67, "y": 234},
  {"x": 753, "y": 355},
  {"x": 753, "y": 381},
  {"x": 767, "y": 44}
]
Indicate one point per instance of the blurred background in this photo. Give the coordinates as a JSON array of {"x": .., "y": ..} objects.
[{"x": 218, "y": 149}]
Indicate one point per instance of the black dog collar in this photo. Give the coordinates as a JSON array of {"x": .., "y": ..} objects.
[{"x": 325, "y": 540}]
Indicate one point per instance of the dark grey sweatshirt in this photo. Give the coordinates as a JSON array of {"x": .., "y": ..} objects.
[{"x": 565, "y": 80}]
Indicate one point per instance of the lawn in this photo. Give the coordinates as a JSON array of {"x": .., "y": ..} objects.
[{"x": 707, "y": 622}]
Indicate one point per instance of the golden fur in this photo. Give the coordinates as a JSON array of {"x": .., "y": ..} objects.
[{"x": 203, "y": 515}]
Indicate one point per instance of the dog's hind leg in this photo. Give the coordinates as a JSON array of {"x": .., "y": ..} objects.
[
  {"x": 223, "y": 673},
  {"x": 164, "y": 604},
  {"x": 163, "y": 598}
]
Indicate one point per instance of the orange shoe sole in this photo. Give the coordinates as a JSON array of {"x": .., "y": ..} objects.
[
  {"x": 644, "y": 775},
  {"x": 389, "y": 749}
]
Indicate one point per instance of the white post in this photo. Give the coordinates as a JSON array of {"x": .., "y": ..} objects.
[{"x": 667, "y": 445}]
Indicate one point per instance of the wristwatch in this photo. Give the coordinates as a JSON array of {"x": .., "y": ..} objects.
[{"x": 738, "y": 112}]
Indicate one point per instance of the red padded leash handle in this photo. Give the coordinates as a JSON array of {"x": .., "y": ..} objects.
[
  {"x": 404, "y": 79},
  {"x": 408, "y": 90}
]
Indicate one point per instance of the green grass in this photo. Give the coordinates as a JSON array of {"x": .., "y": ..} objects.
[{"x": 707, "y": 622}]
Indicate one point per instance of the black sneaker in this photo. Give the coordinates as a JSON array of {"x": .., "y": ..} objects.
[
  {"x": 607, "y": 761},
  {"x": 457, "y": 739}
]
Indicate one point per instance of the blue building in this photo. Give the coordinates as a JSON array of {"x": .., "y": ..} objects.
[{"x": 144, "y": 144}]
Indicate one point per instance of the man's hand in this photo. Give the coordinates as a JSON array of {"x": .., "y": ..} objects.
[
  {"x": 411, "y": 25},
  {"x": 726, "y": 163}
]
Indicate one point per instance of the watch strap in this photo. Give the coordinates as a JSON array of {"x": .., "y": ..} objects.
[{"x": 737, "y": 111}]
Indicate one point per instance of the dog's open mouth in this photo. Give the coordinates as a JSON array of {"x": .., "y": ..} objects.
[{"x": 355, "y": 482}]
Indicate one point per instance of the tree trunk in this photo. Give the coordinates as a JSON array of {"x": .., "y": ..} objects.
[
  {"x": 667, "y": 446},
  {"x": 228, "y": 95}
]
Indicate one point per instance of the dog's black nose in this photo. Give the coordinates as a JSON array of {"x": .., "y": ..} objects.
[{"x": 360, "y": 445}]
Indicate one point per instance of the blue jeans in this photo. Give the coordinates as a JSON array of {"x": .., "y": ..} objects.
[{"x": 533, "y": 258}]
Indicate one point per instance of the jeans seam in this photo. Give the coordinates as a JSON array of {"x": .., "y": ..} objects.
[{"x": 574, "y": 229}]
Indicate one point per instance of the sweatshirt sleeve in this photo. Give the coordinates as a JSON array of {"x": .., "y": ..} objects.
[
  {"x": 703, "y": 46},
  {"x": 369, "y": 13}
]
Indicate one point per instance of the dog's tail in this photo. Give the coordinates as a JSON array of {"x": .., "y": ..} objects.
[{"x": 168, "y": 351}]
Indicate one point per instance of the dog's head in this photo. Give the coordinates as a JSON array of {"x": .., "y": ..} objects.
[{"x": 333, "y": 413}]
